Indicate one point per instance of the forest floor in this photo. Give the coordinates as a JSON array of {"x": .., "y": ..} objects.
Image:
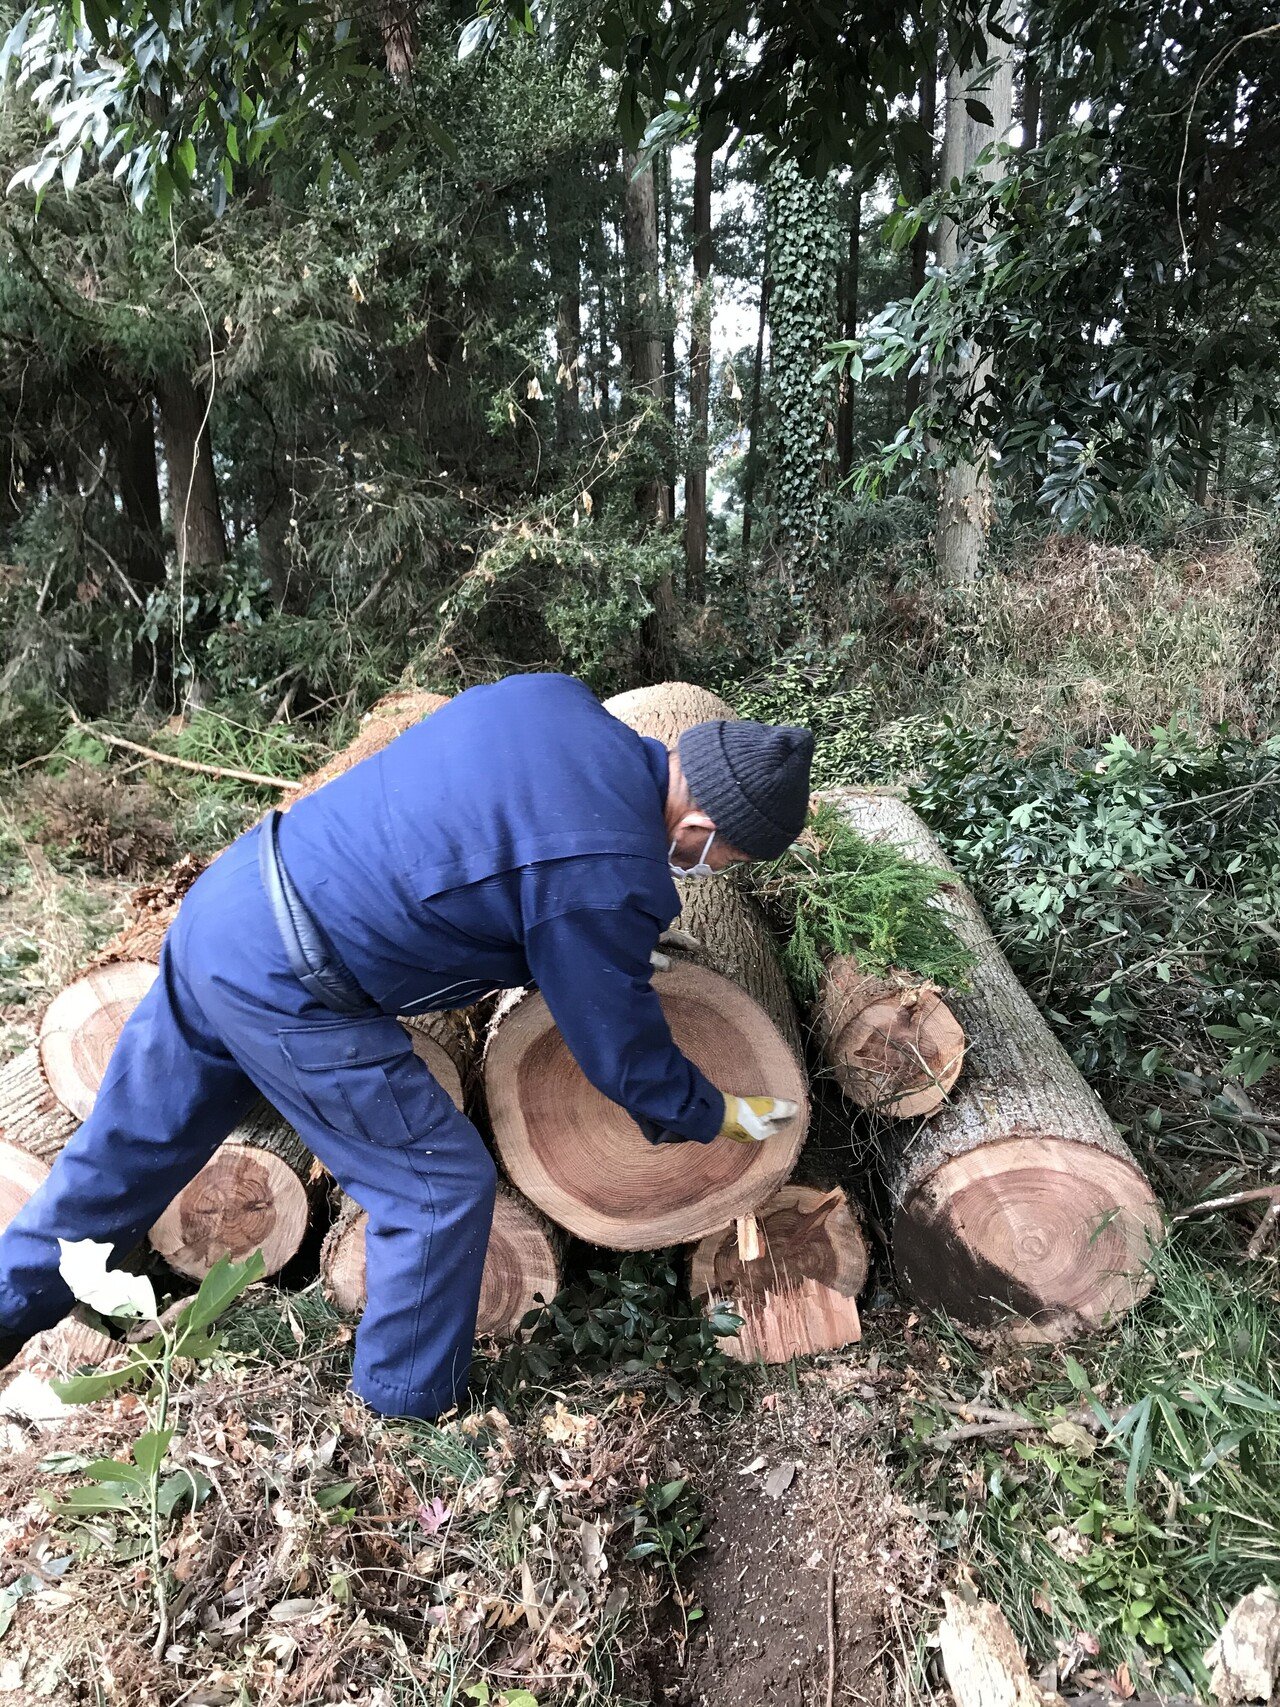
[{"x": 794, "y": 1542}]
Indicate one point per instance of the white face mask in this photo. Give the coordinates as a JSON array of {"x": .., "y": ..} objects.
[{"x": 701, "y": 869}]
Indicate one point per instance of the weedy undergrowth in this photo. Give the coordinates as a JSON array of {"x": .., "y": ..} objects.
[
  {"x": 837, "y": 893},
  {"x": 636, "y": 1323},
  {"x": 1145, "y": 1502},
  {"x": 140, "y": 1494}
]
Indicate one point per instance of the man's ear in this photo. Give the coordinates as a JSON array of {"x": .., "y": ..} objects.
[{"x": 694, "y": 819}]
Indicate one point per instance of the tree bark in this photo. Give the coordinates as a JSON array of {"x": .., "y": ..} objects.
[
  {"x": 849, "y": 329},
  {"x": 644, "y": 300},
  {"x": 1017, "y": 1206},
  {"x": 920, "y": 242},
  {"x": 751, "y": 473},
  {"x": 799, "y": 1295},
  {"x": 140, "y": 497},
  {"x": 667, "y": 191},
  {"x": 564, "y": 248},
  {"x": 194, "y": 505},
  {"x": 695, "y": 486},
  {"x": 964, "y": 491}
]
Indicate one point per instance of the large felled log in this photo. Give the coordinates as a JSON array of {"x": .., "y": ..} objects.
[
  {"x": 33, "y": 1128},
  {"x": 797, "y": 1290},
  {"x": 581, "y": 1159},
  {"x": 1017, "y": 1205},
  {"x": 389, "y": 717},
  {"x": 667, "y": 709},
  {"x": 255, "y": 1193},
  {"x": 445, "y": 1042},
  {"x": 892, "y": 1043},
  {"x": 521, "y": 1265},
  {"x": 82, "y": 1025}
]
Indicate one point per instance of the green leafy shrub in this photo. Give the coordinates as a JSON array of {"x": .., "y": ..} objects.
[
  {"x": 853, "y": 740},
  {"x": 637, "y": 1323},
  {"x": 1135, "y": 891}
]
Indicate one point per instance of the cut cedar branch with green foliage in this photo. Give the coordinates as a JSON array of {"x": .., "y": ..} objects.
[{"x": 870, "y": 950}]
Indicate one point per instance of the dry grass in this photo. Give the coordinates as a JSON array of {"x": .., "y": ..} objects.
[{"x": 1091, "y": 639}]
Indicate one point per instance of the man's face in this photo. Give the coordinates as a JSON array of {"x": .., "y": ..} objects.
[{"x": 690, "y": 838}]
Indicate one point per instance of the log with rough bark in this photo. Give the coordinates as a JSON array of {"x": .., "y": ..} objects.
[
  {"x": 521, "y": 1266},
  {"x": 1017, "y": 1206},
  {"x": 255, "y": 1193},
  {"x": 389, "y": 717},
  {"x": 582, "y": 1160},
  {"x": 892, "y": 1043},
  {"x": 33, "y": 1128},
  {"x": 446, "y": 1043},
  {"x": 82, "y": 1025},
  {"x": 982, "y": 1659},
  {"x": 796, "y": 1287}
]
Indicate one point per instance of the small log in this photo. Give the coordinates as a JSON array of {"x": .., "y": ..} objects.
[
  {"x": 893, "y": 1045},
  {"x": 1017, "y": 1206},
  {"x": 82, "y": 1025},
  {"x": 521, "y": 1265},
  {"x": 799, "y": 1294},
  {"x": 33, "y": 1128},
  {"x": 255, "y": 1193},
  {"x": 982, "y": 1660}
]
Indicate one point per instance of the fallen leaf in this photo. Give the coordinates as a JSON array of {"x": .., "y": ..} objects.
[
  {"x": 1073, "y": 1438},
  {"x": 755, "y": 1465},
  {"x": 110, "y": 1291},
  {"x": 780, "y": 1478}
]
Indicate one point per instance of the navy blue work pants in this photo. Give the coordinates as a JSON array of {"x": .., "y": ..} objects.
[{"x": 224, "y": 1020}]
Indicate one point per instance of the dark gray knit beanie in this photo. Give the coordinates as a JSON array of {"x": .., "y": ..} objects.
[{"x": 752, "y": 779}]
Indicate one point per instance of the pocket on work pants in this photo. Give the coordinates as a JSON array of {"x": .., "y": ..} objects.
[{"x": 362, "y": 1078}]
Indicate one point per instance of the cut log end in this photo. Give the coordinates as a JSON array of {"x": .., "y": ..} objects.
[
  {"x": 1040, "y": 1237},
  {"x": 246, "y": 1198},
  {"x": 582, "y": 1160},
  {"x": 82, "y": 1026},
  {"x": 893, "y": 1045},
  {"x": 431, "y": 1051},
  {"x": 799, "y": 1295},
  {"x": 21, "y": 1174},
  {"x": 521, "y": 1267}
]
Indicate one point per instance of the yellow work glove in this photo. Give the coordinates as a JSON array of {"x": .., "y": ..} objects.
[{"x": 750, "y": 1120}]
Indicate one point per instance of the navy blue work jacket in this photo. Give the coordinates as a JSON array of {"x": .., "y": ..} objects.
[{"x": 515, "y": 836}]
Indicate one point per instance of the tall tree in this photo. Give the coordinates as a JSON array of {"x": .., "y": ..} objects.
[
  {"x": 194, "y": 505},
  {"x": 927, "y": 105},
  {"x": 644, "y": 316},
  {"x": 972, "y": 124},
  {"x": 849, "y": 329},
  {"x": 564, "y": 248},
  {"x": 751, "y": 472},
  {"x": 695, "y": 486}
]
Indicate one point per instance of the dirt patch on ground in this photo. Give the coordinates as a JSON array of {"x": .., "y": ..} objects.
[{"x": 806, "y": 1543}]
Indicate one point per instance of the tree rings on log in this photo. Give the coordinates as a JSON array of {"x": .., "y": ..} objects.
[
  {"x": 33, "y": 1128},
  {"x": 1017, "y": 1206},
  {"x": 521, "y": 1265},
  {"x": 800, "y": 1294},
  {"x": 253, "y": 1194},
  {"x": 893, "y": 1045},
  {"x": 582, "y": 1160},
  {"x": 82, "y": 1026}
]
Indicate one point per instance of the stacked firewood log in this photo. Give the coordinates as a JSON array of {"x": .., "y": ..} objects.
[{"x": 1014, "y": 1203}]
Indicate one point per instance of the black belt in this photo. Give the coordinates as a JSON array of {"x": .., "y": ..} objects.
[{"x": 311, "y": 960}]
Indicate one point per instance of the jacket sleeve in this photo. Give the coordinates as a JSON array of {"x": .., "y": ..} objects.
[{"x": 592, "y": 965}]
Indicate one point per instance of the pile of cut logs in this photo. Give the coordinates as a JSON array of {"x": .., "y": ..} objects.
[{"x": 1015, "y": 1205}]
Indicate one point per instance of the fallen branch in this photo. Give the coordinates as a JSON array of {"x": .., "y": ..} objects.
[
  {"x": 1259, "y": 1194},
  {"x": 225, "y": 771}
]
